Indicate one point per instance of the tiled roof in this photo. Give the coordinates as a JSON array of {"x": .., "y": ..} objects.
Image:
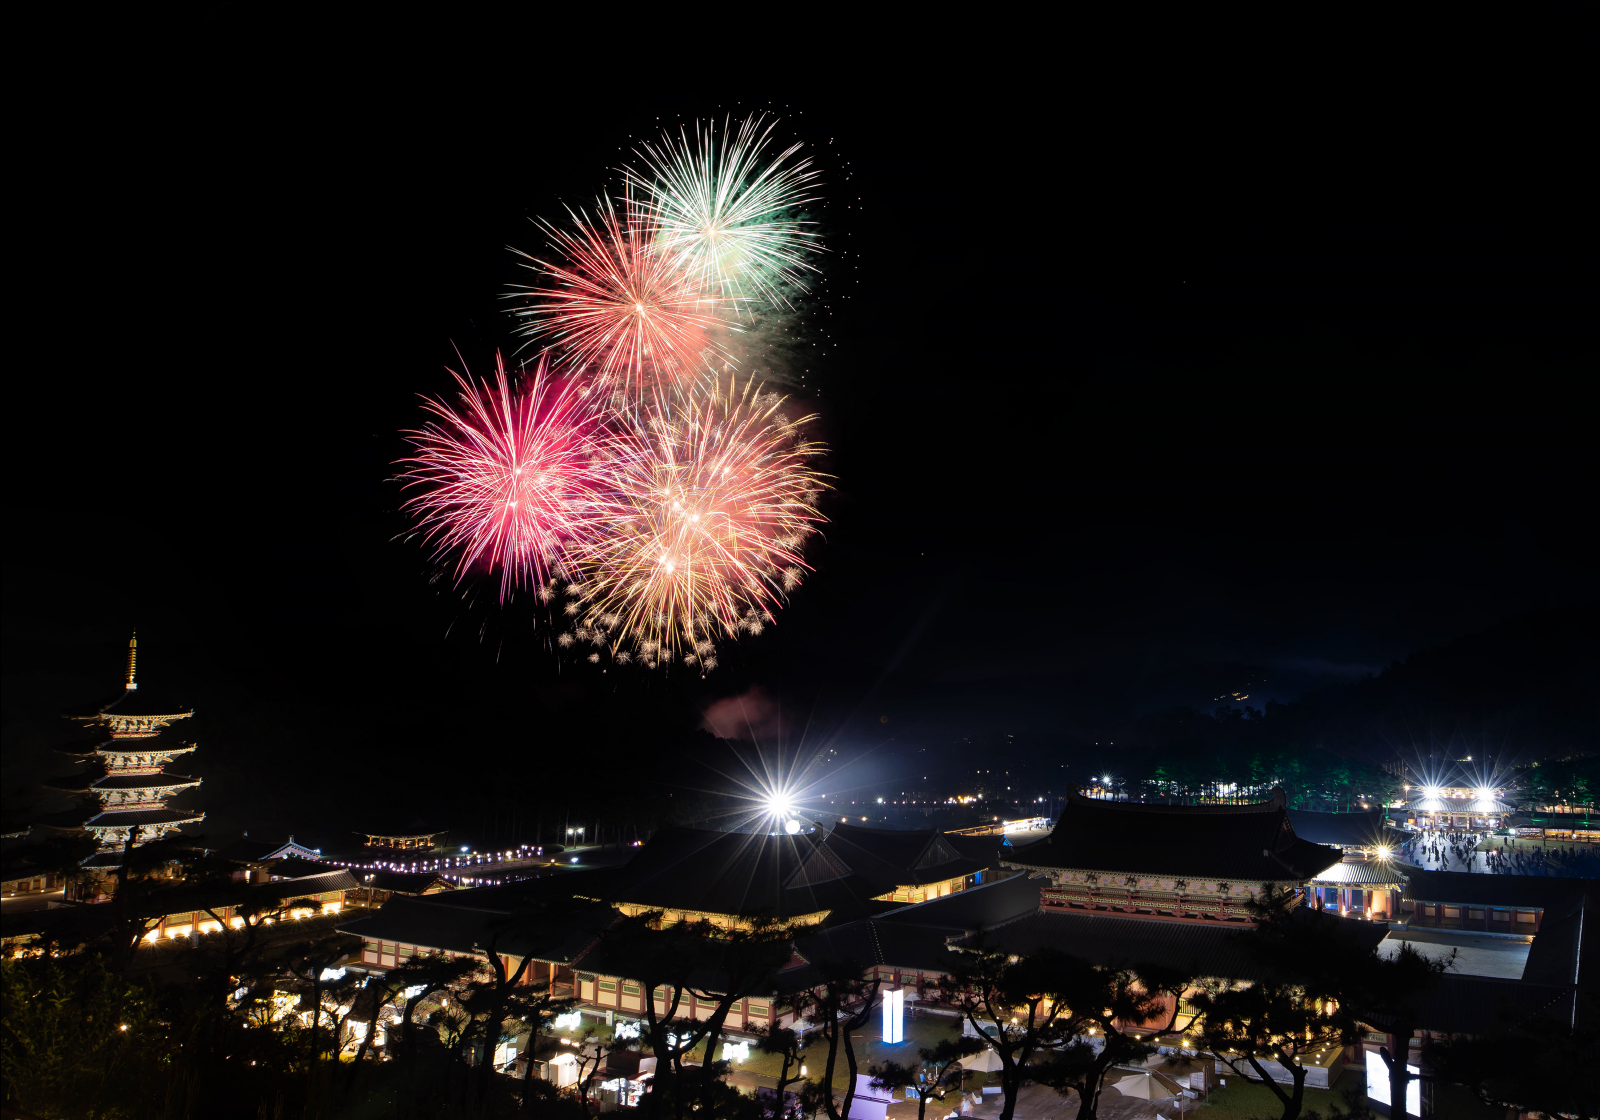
[
  {"x": 1484, "y": 1004},
  {"x": 144, "y": 781},
  {"x": 443, "y": 921},
  {"x": 985, "y": 850},
  {"x": 416, "y": 921},
  {"x": 294, "y": 867},
  {"x": 1556, "y": 955},
  {"x": 1248, "y": 842},
  {"x": 981, "y": 907},
  {"x": 403, "y": 882},
  {"x": 249, "y": 894},
  {"x": 104, "y": 745},
  {"x": 1212, "y": 949},
  {"x": 1376, "y": 873},
  {"x": 917, "y": 936},
  {"x": 1465, "y": 887},
  {"x": 886, "y": 858},
  {"x": 1201, "y": 948},
  {"x": 132, "y": 817},
  {"x": 1347, "y": 830},
  {"x": 157, "y": 744},
  {"x": 720, "y": 873}
]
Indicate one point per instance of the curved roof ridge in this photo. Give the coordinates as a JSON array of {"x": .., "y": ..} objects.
[{"x": 1277, "y": 801}]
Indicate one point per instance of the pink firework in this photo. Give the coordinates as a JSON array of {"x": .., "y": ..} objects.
[
  {"x": 619, "y": 308},
  {"x": 508, "y": 478}
]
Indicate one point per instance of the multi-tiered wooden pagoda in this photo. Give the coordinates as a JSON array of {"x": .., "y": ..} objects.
[{"x": 122, "y": 779}]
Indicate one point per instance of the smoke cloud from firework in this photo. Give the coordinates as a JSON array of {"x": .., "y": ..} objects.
[{"x": 632, "y": 473}]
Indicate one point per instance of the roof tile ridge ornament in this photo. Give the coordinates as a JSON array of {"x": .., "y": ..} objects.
[{"x": 133, "y": 657}]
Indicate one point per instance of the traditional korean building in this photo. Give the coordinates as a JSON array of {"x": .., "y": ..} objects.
[
  {"x": 892, "y": 866},
  {"x": 735, "y": 879},
  {"x": 257, "y": 860},
  {"x": 1177, "y": 862},
  {"x": 1367, "y": 882},
  {"x": 1463, "y": 900},
  {"x": 728, "y": 880},
  {"x": 123, "y": 784},
  {"x": 413, "y": 841}
]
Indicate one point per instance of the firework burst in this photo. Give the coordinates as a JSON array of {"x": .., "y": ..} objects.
[
  {"x": 509, "y": 478},
  {"x": 717, "y": 499},
  {"x": 725, "y": 210},
  {"x": 618, "y": 307}
]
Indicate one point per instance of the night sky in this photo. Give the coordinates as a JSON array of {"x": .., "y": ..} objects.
[{"x": 1131, "y": 403}]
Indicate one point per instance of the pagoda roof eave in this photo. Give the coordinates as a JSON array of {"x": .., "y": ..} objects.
[
  {"x": 128, "y": 818},
  {"x": 134, "y": 704},
  {"x": 131, "y": 746},
  {"x": 124, "y": 782}
]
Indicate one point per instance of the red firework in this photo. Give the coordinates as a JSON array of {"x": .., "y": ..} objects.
[
  {"x": 508, "y": 477},
  {"x": 619, "y": 308}
]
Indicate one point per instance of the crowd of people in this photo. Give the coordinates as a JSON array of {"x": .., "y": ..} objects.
[{"x": 1452, "y": 850}]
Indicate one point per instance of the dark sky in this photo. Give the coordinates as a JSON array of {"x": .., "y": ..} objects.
[{"x": 1139, "y": 399}]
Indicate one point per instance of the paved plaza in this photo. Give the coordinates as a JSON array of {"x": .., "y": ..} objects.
[
  {"x": 1477, "y": 954},
  {"x": 1503, "y": 855}
]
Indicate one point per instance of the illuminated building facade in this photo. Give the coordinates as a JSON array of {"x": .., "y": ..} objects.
[
  {"x": 412, "y": 842},
  {"x": 1366, "y": 883},
  {"x": 1176, "y": 862},
  {"x": 1458, "y": 807}
]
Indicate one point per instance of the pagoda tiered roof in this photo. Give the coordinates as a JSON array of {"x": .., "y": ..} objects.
[
  {"x": 104, "y": 745},
  {"x": 86, "y": 783},
  {"x": 151, "y": 745},
  {"x": 143, "y": 818},
  {"x": 135, "y": 702},
  {"x": 129, "y": 789}
]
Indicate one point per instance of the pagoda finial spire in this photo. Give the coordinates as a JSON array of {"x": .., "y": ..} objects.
[{"x": 133, "y": 656}]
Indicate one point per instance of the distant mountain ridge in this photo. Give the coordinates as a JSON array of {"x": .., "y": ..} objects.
[{"x": 1530, "y": 684}]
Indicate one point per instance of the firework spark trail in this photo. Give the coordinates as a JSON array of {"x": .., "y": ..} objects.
[
  {"x": 719, "y": 499},
  {"x": 620, "y": 309},
  {"x": 724, "y": 213},
  {"x": 510, "y": 478}
]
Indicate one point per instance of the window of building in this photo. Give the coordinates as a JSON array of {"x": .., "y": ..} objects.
[
  {"x": 1526, "y": 916},
  {"x": 629, "y": 989},
  {"x": 608, "y": 985},
  {"x": 758, "y": 1010}
]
